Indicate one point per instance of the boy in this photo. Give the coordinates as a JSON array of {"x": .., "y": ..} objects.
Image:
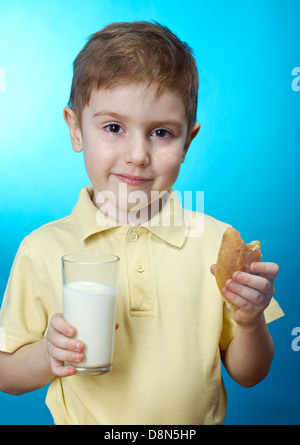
[{"x": 132, "y": 111}]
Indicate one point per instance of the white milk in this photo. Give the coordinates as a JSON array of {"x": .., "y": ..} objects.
[{"x": 90, "y": 308}]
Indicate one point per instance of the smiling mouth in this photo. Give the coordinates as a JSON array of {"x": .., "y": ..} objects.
[{"x": 132, "y": 180}]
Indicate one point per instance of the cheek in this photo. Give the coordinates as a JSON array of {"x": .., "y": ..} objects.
[
  {"x": 97, "y": 159},
  {"x": 90, "y": 161},
  {"x": 169, "y": 164}
]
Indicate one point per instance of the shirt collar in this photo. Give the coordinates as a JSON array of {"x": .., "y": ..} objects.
[{"x": 168, "y": 225}]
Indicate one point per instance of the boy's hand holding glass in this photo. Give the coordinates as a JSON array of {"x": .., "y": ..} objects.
[
  {"x": 62, "y": 347},
  {"x": 90, "y": 283}
]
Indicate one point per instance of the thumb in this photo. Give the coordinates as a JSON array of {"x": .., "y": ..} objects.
[{"x": 213, "y": 269}]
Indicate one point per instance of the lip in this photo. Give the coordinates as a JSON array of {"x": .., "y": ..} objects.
[{"x": 132, "y": 180}]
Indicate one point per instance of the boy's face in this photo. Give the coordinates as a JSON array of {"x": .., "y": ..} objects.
[{"x": 131, "y": 138}]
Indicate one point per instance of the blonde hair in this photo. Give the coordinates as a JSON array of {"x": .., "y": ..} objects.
[{"x": 143, "y": 52}]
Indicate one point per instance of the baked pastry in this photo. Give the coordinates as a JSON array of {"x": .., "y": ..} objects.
[{"x": 234, "y": 255}]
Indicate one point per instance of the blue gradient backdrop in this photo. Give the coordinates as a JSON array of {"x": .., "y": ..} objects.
[{"x": 246, "y": 157}]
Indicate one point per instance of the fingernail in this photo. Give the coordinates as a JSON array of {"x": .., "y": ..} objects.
[
  {"x": 253, "y": 267},
  {"x": 70, "y": 332},
  {"x": 77, "y": 357},
  {"x": 78, "y": 346}
]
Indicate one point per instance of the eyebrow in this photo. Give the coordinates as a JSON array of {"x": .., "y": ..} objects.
[
  {"x": 108, "y": 113},
  {"x": 118, "y": 116}
]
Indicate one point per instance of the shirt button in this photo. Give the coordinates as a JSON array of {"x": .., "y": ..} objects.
[
  {"x": 140, "y": 268},
  {"x": 133, "y": 236}
]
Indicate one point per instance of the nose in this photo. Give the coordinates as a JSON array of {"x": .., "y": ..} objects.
[{"x": 138, "y": 151}]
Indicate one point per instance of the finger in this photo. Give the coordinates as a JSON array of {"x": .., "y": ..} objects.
[
  {"x": 117, "y": 326},
  {"x": 253, "y": 296},
  {"x": 59, "y": 324},
  {"x": 238, "y": 301},
  {"x": 60, "y": 370},
  {"x": 62, "y": 355},
  {"x": 213, "y": 269},
  {"x": 61, "y": 341},
  {"x": 256, "y": 282},
  {"x": 267, "y": 270}
]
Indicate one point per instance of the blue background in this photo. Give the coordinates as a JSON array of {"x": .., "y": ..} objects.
[{"x": 245, "y": 158}]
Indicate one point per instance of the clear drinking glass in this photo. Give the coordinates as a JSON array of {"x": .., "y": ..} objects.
[{"x": 90, "y": 284}]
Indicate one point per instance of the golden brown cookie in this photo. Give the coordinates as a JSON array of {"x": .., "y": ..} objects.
[{"x": 234, "y": 255}]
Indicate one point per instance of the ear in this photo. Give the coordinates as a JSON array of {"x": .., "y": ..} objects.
[
  {"x": 192, "y": 134},
  {"x": 74, "y": 129}
]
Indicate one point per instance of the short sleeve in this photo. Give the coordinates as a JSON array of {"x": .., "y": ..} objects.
[
  {"x": 23, "y": 316},
  {"x": 228, "y": 328},
  {"x": 272, "y": 313}
]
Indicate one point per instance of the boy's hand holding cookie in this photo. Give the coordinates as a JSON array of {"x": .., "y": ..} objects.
[
  {"x": 251, "y": 294},
  {"x": 245, "y": 282}
]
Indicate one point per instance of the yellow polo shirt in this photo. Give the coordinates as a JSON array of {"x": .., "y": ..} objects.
[{"x": 173, "y": 322}]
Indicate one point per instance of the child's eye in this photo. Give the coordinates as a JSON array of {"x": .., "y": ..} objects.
[
  {"x": 114, "y": 128},
  {"x": 161, "y": 133}
]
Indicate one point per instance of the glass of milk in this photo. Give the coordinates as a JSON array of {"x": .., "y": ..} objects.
[{"x": 90, "y": 284}]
